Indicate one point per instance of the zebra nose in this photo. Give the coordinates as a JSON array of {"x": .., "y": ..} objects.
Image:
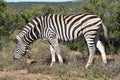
[{"x": 16, "y": 56}]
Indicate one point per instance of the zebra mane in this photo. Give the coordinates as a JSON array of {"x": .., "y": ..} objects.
[{"x": 29, "y": 28}]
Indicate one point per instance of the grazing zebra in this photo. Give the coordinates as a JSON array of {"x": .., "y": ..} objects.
[{"x": 66, "y": 28}]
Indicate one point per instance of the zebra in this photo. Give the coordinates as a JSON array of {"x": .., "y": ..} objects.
[{"x": 67, "y": 28}]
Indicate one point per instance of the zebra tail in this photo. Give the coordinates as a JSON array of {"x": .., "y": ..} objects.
[{"x": 105, "y": 35}]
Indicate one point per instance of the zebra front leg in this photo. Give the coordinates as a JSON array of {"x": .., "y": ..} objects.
[
  {"x": 91, "y": 51},
  {"x": 57, "y": 50},
  {"x": 54, "y": 43},
  {"x": 58, "y": 54},
  {"x": 52, "y": 55}
]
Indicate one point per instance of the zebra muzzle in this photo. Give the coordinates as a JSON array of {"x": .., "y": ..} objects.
[{"x": 17, "y": 56}]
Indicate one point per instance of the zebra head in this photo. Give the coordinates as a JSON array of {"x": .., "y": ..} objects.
[{"x": 21, "y": 48}]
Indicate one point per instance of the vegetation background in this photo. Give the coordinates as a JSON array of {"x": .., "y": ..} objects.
[{"x": 75, "y": 54}]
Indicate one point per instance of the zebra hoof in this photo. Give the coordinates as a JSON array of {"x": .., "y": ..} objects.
[
  {"x": 105, "y": 62},
  {"x": 87, "y": 66},
  {"x": 52, "y": 63}
]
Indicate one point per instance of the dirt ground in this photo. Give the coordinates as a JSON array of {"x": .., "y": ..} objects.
[{"x": 24, "y": 75}]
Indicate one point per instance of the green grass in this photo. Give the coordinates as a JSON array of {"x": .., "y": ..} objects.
[{"x": 72, "y": 69}]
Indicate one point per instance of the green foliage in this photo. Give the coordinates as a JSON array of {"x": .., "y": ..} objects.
[
  {"x": 2, "y": 5},
  {"x": 114, "y": 26},
  {"x": 9, "y": 21},
  {"x": 99, "y": 7},
  {"x": 79, "y": 45},
  {"x": 60, "y": 9},
  {"x": 2, "y": 15}
]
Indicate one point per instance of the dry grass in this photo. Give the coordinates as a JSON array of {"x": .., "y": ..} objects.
[{"x": 36, "y": 64}]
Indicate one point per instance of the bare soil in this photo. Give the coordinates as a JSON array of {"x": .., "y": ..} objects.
[{"x": 24, "y": 75}]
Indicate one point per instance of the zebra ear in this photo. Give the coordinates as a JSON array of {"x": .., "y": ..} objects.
[{"x": 18, "y": 38}]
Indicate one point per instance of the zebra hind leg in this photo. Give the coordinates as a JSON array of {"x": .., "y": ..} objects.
[
  {"x": 91, "y": 46},
  {"x": 101, "y": 48},
  {"x": 91, "y": 51}
]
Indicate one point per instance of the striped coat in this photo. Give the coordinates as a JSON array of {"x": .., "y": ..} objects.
[{"x": 66, "y": 28}]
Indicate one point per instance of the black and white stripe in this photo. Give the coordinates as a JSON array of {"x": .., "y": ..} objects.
[{"x": 67, "y": 28}]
